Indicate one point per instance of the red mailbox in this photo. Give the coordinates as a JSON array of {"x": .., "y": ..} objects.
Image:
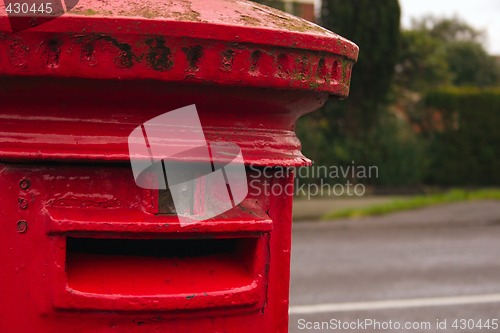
[{"x": 84, "y": 249}]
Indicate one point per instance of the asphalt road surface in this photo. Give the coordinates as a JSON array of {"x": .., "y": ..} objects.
[{"x": 416, "y": 271}]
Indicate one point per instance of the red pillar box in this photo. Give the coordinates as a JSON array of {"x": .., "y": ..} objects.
[{"x": 130, "y": 133}]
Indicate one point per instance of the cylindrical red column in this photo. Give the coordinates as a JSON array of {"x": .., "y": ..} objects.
[{"x": 86, "y": 249}]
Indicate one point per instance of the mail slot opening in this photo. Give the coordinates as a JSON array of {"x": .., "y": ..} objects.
[{"x": 160, "y": 266}]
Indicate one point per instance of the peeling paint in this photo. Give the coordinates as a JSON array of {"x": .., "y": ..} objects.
[
  {"x": 125, "y": 58},
  {"x": 193, "y": 55},
  {"x": 159, "y": 56},
  {"x": 227, "y": 58}
]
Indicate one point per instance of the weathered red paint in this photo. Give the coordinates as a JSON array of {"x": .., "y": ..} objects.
[{"x": 71, "y": 91}]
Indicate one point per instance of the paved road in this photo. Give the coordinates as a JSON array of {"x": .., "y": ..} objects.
[{"x": 421, "y": 266}]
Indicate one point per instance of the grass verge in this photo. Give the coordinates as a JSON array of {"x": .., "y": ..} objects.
[{"x": 415, "y": 202}]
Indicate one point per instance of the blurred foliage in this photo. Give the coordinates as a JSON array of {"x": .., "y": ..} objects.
[
  {"x": 441, "y": 51},
  {"x": 448, "y": 29},
  {"x": 458, "y": 125},
  {"x": 374, "y": 27},
  {"x": 398, "y": 152},
  {"x": 398, "y": 115},
  {"x": 466, "y": 141},
  {"x": 358, "y": 128},
  {"x": 470, "y": 65},
  {"x": 422, "y": 62}
]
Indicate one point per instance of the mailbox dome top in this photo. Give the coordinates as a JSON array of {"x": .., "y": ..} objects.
[
  {"x": 231, "y": 13},
  {"x": 218, "y": 42}
]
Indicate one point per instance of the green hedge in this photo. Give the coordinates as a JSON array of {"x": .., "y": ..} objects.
[{"x": 465, "y": 144}]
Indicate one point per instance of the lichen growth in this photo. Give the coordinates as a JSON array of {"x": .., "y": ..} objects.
[
  {"x": 250, "y": 20},
  {"x": 299, "y": 77},
  {"x": 288, "y": 22},
  {"x": 313, "y": 85},
  {"x": 91, "y": 12}
]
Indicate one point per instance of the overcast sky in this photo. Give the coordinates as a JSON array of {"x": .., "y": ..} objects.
[{"x": 481, "y": 14}]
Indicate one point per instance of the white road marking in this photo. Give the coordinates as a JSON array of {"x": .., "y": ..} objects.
[{"x": 394, "y": 304}]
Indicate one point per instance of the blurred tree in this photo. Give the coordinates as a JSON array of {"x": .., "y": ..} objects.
[
  {"x": 452, "y": 29},
  {"x": 355, "y": 129},
  {"x": 470, "y": 65},
  {"x": 422, "y": 62},
  {"x": 454, "y": 42},
  {"x": 438, "y": 52}
]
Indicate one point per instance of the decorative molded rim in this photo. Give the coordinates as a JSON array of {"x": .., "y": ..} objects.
[{"x": 131, "y": 49}]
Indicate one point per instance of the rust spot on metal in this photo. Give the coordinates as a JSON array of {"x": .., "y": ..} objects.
[
  {"x": 25, "y": 184},
  {"x": 18, "y": 53},
  {"x": 193, "y": 55},
  {"x": 321, "y": 70},
  {"x": 227, "y": 59},
  {"x": 88, "y": 53},
  {"x": 85, "y": 201},
  {"x": 53, "y": 53},
  {"x": 159, "y": 56},
  {"x": 255, "y": 58},
  {"x": 22, "y": 203},
  {"x": 125, "y": 58},
  {"x": 283, "y": 64},
  {"x": 21, "y": 226}
]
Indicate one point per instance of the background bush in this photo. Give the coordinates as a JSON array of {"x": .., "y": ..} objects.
[{"x": 464, "y": 148}]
